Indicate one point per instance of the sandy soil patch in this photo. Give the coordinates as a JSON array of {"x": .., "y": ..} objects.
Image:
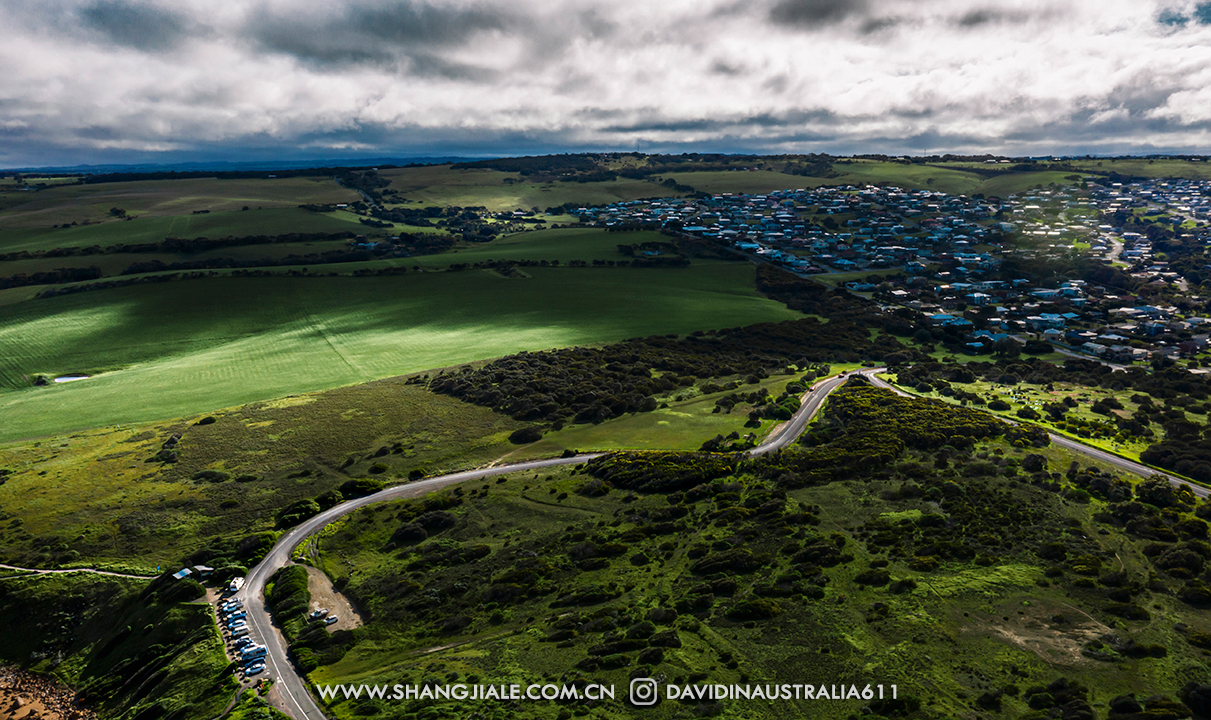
[{"x": 323, "y": 595}]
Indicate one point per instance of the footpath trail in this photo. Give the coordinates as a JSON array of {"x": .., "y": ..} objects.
[{"x": 38, "y": 571}]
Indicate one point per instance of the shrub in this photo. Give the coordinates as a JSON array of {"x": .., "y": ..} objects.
[
  {"x": 359, "y": 487},
  {"x": 298, "y": 512},
  {"x": 211, "y": 475},
  {"x": 873, "y": 577},
  {"x": 526, "y": 435},
  {"x": 754, "y": 609},
  {"x": 436, "y": 521},
  {"x": 408, "y": 534}
]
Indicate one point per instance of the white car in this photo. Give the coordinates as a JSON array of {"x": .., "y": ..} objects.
[
  {"x": 255, "y": 670},
  {"x": 319, "y": 613},
  {"x": 331, "y": 619}
]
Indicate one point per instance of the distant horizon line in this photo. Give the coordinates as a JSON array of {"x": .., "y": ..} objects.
[{"x": 218, "y": 165}]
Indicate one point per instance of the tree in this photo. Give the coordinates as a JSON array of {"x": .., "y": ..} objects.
[{"x": 1007, "y": 347}]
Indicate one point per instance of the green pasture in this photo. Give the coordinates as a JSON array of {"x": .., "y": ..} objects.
[
  {"x": 562, "y": 244},
  {"x": 129, "y": 515},
  {"x": 685, "y": 424},
  {"x": 439, "y": 185},
  {"x": 146, "y": 229},
  {"x": 926, "y": 177},
  {"x": 115, "y": 263},
  {"x": 171, "y": 349},
  {"x": 1035, "y": 396},
  {"x": 1160, "y": 167},
  {"x": 80, "y": 203},
  {"x": 750, "y": 182},
  {"x": 1002, "y": 185}
]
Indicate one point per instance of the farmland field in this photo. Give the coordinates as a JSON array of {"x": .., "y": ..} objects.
[
  {"x": 79, "y": 203},
  {"x": 178, "y": 348},
  {"x": 562, "y": 244},
  {"x": 746, "y": 181},
  {"x": 439, "y": 185},
  {"x": 237, "y": 223}
]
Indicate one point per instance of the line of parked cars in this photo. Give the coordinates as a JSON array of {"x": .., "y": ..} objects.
[{"x": 233, "y": 618}]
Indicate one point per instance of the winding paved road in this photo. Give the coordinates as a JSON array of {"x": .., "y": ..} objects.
[
  {"x": 296, "y": 695},
  {"x": 1067, "y": 443}
]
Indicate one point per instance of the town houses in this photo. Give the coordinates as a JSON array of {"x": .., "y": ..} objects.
[{"x": 952, "y": 258}]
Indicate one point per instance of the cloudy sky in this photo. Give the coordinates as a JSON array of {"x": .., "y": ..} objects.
[{"x": 160, "y": 80}]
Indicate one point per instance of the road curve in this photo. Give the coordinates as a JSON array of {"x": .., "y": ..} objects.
[
  {"x": 296, "y": 695},
  {"x": 1078, "y": 447}
]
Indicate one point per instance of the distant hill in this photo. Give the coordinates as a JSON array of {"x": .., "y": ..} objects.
[{"x": 230, "y": 166}]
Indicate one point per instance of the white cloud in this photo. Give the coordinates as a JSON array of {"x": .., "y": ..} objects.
[{"x": 408, "y": 76}]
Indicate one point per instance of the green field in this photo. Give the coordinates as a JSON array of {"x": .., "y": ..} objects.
[
  {"x": 130, "y": 515},
  {"x": 173, "y": 349},
  {"x": 439, "y": 185},
  {"x": 115, "y": 263},
  {"x": 540, "y": 576},
  {"x": 1161, "y": 167},
  {"x": 752, "y": 182},
  {"x": 92, "y": 203},
  {"x": 149, "y": 229},
  {"x": 562, "y": 244}
]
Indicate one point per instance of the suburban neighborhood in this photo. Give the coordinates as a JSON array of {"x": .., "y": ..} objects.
[{"x": 981, "y": 269}]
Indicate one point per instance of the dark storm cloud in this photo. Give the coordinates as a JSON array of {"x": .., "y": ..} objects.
[
  {"x": 106, "y": 77},
  {"x": 978, "y": 17},
  {"x": 141, "y": 26},
  {"x": 815, "y": 13},
  {"x": 767, "y": 120},
  {"x": 378, "y": 33}
]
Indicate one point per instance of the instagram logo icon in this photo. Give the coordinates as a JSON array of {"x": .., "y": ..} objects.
[{"x": 644, "y": 692}]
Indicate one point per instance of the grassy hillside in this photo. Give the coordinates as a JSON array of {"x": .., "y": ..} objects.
[
  {"x": 964, "y": 572},
  {"x": 562, "y": 244},
  {"x": 129, "y": 648},
  {"x": 92, "y": 203},
  {"x": 136, "y": 498},
  {"x": 148, "y": 229},
  {"x": 752, "y": 182},
  {"x": 441, "y": 185},
  {"x": 173, "y": 349}
]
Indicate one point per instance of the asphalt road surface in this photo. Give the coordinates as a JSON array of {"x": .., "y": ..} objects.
[
  {"x": 297, "y": 697},
  {"x": 1110, "y": 458},
  {"x": 295, "y": 693}
]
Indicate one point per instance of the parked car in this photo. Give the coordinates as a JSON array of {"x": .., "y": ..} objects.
[
  {"x": 255, "y": 670},
  {"x": 242, "y": 642},
  {"x": 241, "y": 633},
  {"x": 319, "y": 613},
  {"x": 331, "y": 619}
]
